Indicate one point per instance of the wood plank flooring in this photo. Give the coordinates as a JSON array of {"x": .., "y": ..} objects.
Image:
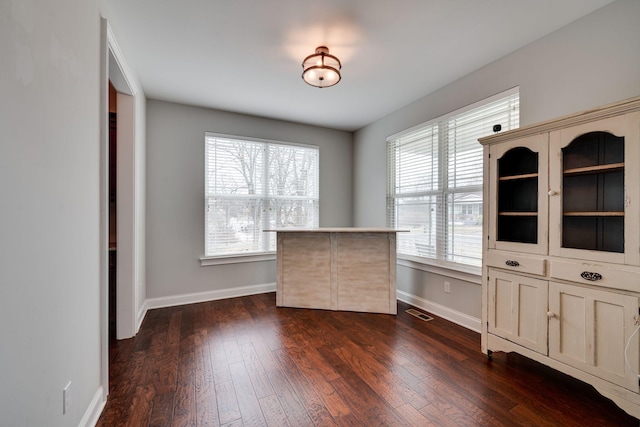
[{"x": 244, "y": 362}]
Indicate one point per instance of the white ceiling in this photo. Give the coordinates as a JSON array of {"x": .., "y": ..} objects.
[{"x": 245, "y": 55}]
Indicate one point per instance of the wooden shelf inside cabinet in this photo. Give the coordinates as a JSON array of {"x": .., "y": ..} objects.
[
  {"x": 518, "y": 213},
  {"x": 612, "y": 167},
  {"x": 594, "y": 213},
  {"x": 514, "y": 177}
]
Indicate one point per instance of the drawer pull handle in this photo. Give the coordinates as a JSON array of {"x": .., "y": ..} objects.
[
  {"x": 512, "y": 263},
  {"x": 591, "y": 276},
  {"x": 551, "y": 314}
]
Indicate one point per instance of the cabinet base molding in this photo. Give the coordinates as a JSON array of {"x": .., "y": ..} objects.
[{"x": 625, "y": 399}]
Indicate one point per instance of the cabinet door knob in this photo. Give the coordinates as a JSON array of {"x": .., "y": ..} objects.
[
  {"x": 511, "y": 263},
  {"x": 591, "y": 276},
  {"x": 551, "y": 314},
  {"x": 553, "y": 193}
]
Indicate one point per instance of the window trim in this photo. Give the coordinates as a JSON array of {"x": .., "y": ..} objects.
[
  {"x": 261, "y": 140},
  {"x": 206, "y": 261},
  {"x": 447, "y": 116},
  {"x": 461, "y": 271},
  {"x": 237, "y": 258},
  {"x": 468, "y": 273}
]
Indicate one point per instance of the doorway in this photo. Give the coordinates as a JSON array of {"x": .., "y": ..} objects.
[
  {"x": 122, "y": 193},
  {"x": 113, "y": 232}
]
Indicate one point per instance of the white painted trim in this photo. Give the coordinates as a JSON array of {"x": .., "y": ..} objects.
[
  {"x": 236, "y": 259},
  {"x": 447, "y": 313},
  {"x": 208, "y": 134},
  {"x": 128, "y": 77},
  {"x": 461, "y": 110},
  {"x": 142, "y": 311},
  {"x": 457, "y": 317},
  {"x": 208, "y": 296},
  {"x": 471, "y": 274},
  {"x": 92, "y": 414},
  {"x": 128, "y": 88},
  {"x": 599, "y": 113},
  {"x": 104, "y": 221}
]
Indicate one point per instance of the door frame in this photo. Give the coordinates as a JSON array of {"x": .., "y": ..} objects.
[{"x": 129, "y": 275}]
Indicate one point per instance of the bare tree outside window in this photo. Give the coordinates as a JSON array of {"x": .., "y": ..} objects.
[{"x": 253, "y": 185}]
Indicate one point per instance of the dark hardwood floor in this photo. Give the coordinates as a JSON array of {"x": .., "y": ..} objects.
[{"x": 242, "y": 361}]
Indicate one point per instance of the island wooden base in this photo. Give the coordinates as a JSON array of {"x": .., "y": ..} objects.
[{"x": 337, "y": 270}]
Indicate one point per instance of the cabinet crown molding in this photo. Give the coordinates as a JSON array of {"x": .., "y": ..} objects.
[{"x": 598, "y": 113}]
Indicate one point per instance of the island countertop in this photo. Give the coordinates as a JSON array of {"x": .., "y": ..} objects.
[{"x": 337, "y": 230}]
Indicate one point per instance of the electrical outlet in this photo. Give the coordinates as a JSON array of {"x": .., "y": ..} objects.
[
  {"x": 447, "y": 287},
  {"x": 66, "y": 398}
]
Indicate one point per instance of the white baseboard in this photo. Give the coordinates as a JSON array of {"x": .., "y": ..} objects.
[
  {"x": 207, "y": 296},
  {"x": 451, "y": 315},
  {"x": 92, "y": 414},
  {"x": 454, "y": 316},
  {"x": 140, "y": 315}
]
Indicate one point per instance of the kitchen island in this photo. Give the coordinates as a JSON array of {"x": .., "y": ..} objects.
[{"x": 352, "y": 269}]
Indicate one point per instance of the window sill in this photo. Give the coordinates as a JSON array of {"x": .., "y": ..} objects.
[
  {"x": 466, "y": 273},
  {"x": 456, "y": 271},
  {"x": 236, "y": 259}
]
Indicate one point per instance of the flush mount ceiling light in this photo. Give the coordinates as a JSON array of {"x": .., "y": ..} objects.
[{"x": 321, "y": 69}]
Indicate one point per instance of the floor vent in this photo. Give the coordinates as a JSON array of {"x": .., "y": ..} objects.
[{"x": 418, "y": 314}]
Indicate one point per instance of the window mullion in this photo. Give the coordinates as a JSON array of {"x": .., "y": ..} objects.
[
  {"x": 442, "y": 200},
  {"x": 266, "y": 204},
  {"x": 392, "y": 150}
]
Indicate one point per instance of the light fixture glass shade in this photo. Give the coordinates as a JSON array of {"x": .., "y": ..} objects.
[{"x": 321, "y": 69}]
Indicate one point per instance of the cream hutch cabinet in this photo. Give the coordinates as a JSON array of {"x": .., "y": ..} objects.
[{"x": 561, "y": 260}]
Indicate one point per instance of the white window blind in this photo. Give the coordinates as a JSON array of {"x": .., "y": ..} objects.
[
  {"x": 435, "y": 181},
  {"x": 253, "y": 185}
]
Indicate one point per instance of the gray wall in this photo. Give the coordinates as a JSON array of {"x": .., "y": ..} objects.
[
  {"x": 591, "y": 62},
  {"x": 175, "y": 193},
  {"x": 49, "y": 210}
]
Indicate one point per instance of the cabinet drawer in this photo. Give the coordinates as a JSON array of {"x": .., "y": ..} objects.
[
  {"x": 616, "y": 277},
  {"x": 516, "y": 262}
]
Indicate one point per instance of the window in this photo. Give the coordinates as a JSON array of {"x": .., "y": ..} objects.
[
  {"x": 435, "y": 181},
  {"x": 253, "y": 185}
]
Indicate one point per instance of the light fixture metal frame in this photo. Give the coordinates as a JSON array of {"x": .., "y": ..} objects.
[{"x": 322, "y": 52}]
